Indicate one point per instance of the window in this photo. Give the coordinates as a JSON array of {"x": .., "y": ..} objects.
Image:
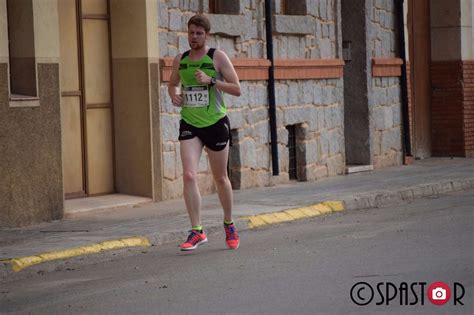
[
  {"x": 224, "y": 6},
  {"x": 22, "y": 62},
  {"x": 293, "y": 7},
  {"x": 292, "y": 168}
]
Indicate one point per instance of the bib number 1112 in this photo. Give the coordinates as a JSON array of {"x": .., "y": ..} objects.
[{"x": 196, "y": 96}]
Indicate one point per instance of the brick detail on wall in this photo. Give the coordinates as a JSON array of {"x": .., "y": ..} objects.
[
  {"x": 387, "y": 67},
  {"x": 294, "y": 69},
  {"x": 166, "y": 67},
  {"x": 468, "y": 107},
  {"x": 249, "y": 69},
  {"x": 447, "y": 108}
]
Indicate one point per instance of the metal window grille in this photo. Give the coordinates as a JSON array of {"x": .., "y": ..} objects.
[{"x": 292, "y": 152}]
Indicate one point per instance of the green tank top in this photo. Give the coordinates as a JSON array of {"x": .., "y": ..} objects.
[{"x": 203, "y": 105}]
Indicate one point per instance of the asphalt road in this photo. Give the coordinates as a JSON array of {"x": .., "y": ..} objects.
[{"x": 297, "y": 268}]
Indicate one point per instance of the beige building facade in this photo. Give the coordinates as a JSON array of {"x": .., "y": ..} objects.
[
  {"x": 79, "y": 102},
  {"x": 84, "y": 109}
]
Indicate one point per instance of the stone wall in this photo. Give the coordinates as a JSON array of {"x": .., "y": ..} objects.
[
  {"x": 314, "y": 106},
  {"x": 387, "y": 122},
  {"x": 385, "y": 96},
  {"x": 383, "y": 29},
  {"x": 310, "y": 36},
  {"x": 240, "y": 36}
]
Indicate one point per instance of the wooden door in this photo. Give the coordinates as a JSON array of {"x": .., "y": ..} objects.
[
  {"x": 97, "y": 96},
  {"x": 86, "y": 103},
  {"x": 71, "y": 101},
  {"x": 420, "y": 58}
]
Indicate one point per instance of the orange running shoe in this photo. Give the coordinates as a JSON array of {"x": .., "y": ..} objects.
[
  {"x": 195, "y": 239},
  {"x": 231, "y": 236}
]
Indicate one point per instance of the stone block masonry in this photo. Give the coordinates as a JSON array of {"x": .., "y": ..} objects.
[
  {"x": 315, "y": 106},
  {"x": 383, "y": 29},
  {"x": 387, "y": 122},
  {"x": 385, "y": 93}
]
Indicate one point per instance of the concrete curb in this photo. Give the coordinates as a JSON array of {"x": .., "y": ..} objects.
[
  {"x": 375, "y": 199},
  {"x": 288, "y": 215},
  {"x": 20, "y": 263},
  {"x": 382, "y": 198}
]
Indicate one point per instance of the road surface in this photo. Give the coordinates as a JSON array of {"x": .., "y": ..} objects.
[{"x": 306, "y": 267}]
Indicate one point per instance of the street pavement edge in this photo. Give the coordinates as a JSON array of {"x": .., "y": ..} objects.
[{"x": 369, "y": 200}]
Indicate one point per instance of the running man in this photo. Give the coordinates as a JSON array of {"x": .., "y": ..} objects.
[{"x": 199, "y": 79}]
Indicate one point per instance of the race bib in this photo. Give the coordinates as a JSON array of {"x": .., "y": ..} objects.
[{"x": 196, "y": 96}]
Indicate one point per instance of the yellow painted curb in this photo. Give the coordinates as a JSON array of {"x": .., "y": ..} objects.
[
  {"x": 335, "y": 205},
  {"x": 21, "y": 263},
  {"x": 322, "y": 208},
  {"x": 295, "y": 213},
  {"x": 259, "y": 220}
]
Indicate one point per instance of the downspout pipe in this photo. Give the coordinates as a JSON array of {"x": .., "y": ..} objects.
[
  {"x": 404, "y": 82},
  {"x": 271, "y": 88}
]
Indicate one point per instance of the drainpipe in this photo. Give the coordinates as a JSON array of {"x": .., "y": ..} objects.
[
  {"x": 271, "y": 88},
  {"x": 404, "y": 83}
]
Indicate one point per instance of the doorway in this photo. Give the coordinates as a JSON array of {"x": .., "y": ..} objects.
[
  {"x": 86, "y": 98},
  {"x": 420, "y": 59}
]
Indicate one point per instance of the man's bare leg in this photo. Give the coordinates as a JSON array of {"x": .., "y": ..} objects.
[
  {"x": 191, "y": 151},
  {"x": 218, "y": 161}
]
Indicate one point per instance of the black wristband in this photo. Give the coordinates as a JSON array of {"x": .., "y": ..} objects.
[{"x": 213, "y": 81}]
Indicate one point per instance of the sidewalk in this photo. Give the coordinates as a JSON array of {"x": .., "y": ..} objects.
[{"x": 167, "y": 222}]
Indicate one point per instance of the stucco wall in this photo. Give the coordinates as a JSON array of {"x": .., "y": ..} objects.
[
  {"x": 136, "y": 111},
  {"x": 31, "y": 180},
  {"x": 31, "y": 188}
]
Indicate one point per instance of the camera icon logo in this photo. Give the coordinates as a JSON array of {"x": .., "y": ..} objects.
[{"x": 439, "y": 293}]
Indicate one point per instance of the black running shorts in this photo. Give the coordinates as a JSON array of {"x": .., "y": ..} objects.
[{"x": 214, "y": 137}]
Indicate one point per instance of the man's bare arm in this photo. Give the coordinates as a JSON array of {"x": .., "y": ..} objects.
[
  {"x": 174, "y": 84},
  {"x": 231, "y": 84}
]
